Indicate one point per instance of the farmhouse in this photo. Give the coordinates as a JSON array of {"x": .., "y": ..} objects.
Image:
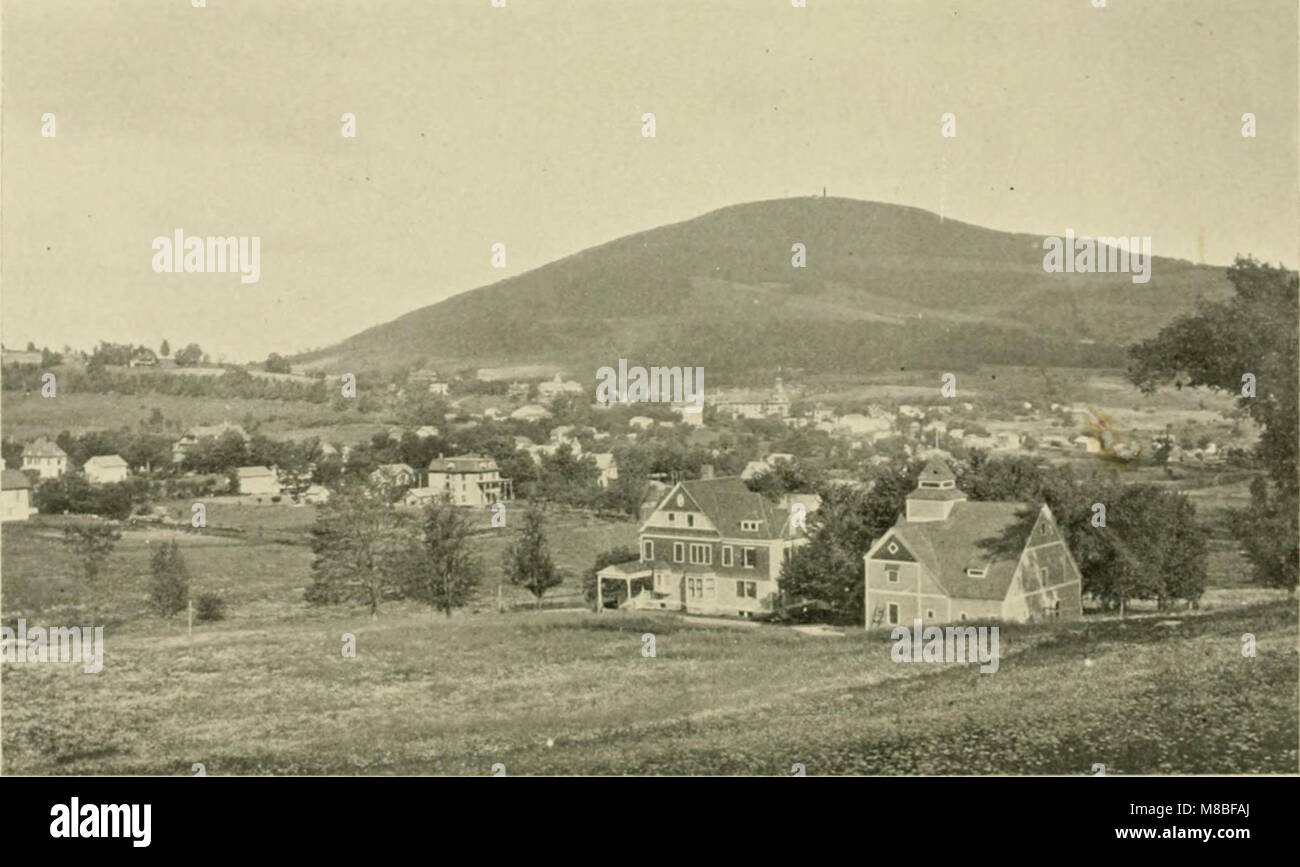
[
  {"x": 46, "y": 458},
  {"x": 143, "y": 357},
  {"x": 948, "y": 559},
  {"x": 742, "y": 404},
  {"x": 257, "y": 482},
  {"x": 192, "y": 436},
  {"x": 102, "y": 469},
  {"x": 711, "y": 546},
  {"x": 467, "y": 480},
  {"x": 394, "y": 475},
  {"x": 15, "y": 496}
]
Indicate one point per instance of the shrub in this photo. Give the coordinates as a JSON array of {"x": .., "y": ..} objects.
[{"x": 210, "y": 607}]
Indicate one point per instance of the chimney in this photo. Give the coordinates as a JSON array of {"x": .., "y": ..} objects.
[{"x": 706, "y": 471}]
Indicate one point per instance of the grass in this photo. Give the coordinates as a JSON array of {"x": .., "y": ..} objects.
[{"x": 268, "y": 691}]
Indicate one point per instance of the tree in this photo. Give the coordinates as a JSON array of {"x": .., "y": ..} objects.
[
  {"x": 361, "y": 547},
  {"x": 1248, "y": 347},
  {"x": 165, "y": 349},
  {"x": 92, "y": 544},
  {"x": 277, "y": 363},
  {"x": 446, "y": 571},
  {"x": 189, "y": 356},
  {"x": 169, "y": 591},
  {"x": 527, "y": 559}
]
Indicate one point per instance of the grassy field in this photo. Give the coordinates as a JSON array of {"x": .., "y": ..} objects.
[{"x": 267, "y": 691}]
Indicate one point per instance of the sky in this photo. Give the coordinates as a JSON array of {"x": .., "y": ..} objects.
[{"x": 523, "y": 126}]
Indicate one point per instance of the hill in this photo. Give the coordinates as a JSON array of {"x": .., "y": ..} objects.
[{"x": 885, "y": 286}]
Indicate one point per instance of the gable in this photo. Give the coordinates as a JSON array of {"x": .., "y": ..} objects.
[{"x": 892, "y": 548}]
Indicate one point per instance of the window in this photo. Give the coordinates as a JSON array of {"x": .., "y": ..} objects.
[
  {"x": 679, "y": 552},
  {"x": 740, "y": 589},
  {"x": 1056, "y": 608},
  {"x": 891, "y": 574},
  {"x": 708, "y": 588},
  {"x": 671, "y": 517},
  {"x": 893, "y": 614},
  {"x": 1044, "y": 574},
  {"x": 1042, "y": 529},
  {"x": 929, "y": 614},
  {"x": 746, "y": 589},
  {"x": 726, "y": 555},
  {"x": 749, "y": 526},
  {"x": 702, "y": 554},
  {"x": 690, "y": 520},
  {"x": 647, "y": 550},
  {"x": 963, "y": 615},
  {"x": 975, "y": 573},
  {"x": 748, "y": 558}
]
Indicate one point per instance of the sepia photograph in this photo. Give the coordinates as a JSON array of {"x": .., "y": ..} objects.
[{"x": 653, "y": 388}]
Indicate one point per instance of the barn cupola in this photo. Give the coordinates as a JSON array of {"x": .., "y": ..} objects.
[{"x": 936, "y": 492}]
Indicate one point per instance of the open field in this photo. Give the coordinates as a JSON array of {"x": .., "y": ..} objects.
[
  {"x": 267, "y": 690},
  {"x": 27, "y": 417}
]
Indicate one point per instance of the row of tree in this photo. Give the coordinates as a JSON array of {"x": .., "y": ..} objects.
[{"x": 366, "y": 552}]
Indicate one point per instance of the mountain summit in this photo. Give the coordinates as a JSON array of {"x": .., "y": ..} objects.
[{"x": 883, "y": 286}]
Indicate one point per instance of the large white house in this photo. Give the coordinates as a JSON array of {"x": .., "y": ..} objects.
[
  {"x": 104, "y": 469},
  {"x": 15, "y": 496},
  {"x": 711, "y": 546},
  {"x": 257, "y": 481},
  {"x": 46, "y": 458}
]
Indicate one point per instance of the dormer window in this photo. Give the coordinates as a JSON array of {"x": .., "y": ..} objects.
[
  {"x": 749, "y": 526},
  {"x": 972, "y": 572}
]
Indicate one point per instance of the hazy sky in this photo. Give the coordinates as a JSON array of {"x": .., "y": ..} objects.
[{"x": 522, "y": 125}]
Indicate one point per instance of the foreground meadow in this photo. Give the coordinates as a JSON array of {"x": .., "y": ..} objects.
[{"x": 269, "y": 691}]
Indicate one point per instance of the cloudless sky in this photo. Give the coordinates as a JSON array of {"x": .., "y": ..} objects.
[{"x": 522, "y": 125}]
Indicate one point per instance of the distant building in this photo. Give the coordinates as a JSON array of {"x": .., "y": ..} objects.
[
  {"x": 394, "y": 476},
  {"x": 426, "y": 431},
  {"x": 908, "y": 411},
  {"x": 855, "y": 424},
  {"x": 103, "y": 469},
  {"x": 467, "y": 480},
  {"x": 257, "y": 481},
  {"x": 15, "y": 496},
  {"x": 45, "y": 457},
  {"x": 608, "y": 468},
  {"x": 531, "y": 412},
  {"x": 751, "y": 404},
  {"x": 641, "y": 422},
  {"x": 948, "y": 559},
  {"x": 558, "y": 387},
  {"x": 192, "y": 436},
  {"x": 143, "y": 357}
]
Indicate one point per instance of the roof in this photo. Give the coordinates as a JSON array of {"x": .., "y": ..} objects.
[
  {"x": 463, "y": 464},
  {"x": 44, "y": 447},
  {"x": 214, "y": 430},
  {"x": 13, "y": 480},
  {"x": 630, "y": 567},
  {"x": 968, "y": 538},
  {"x": 728, "y": 501},
  {"x": 936, "y": 471},
  {"x": 106, "y": 461},
  {"x": 391, "y": 470},
  {"x": 253, "y": 472}
]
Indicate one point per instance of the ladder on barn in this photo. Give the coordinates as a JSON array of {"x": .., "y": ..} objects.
[{"x": 878, "y": 615}]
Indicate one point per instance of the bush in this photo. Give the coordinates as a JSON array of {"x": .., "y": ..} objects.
[{"x": 210, "y": 607}]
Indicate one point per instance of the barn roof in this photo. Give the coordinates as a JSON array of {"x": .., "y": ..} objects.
[
  {"x": 728, "y": 501},
  {"x": 13, "y": 480},
  {"x": 975, "y": 535}
]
